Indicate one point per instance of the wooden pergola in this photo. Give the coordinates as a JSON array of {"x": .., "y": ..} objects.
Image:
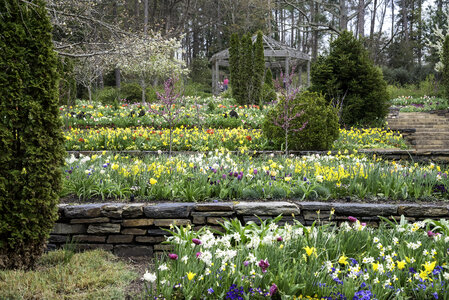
[{"x": 277, "y": 55}]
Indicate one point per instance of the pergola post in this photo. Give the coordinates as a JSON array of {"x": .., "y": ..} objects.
[
  {"x": 287, "y": 67},
  {"x": 216, "y": 78},
  {"x": 300, "y": 74},
  {"x": 308, "y": 73}
]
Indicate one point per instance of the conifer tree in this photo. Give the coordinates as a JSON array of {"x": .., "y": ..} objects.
[
  {"x": 259, "y": 69},
  {"x": 235, "y": 67},
  {"x": 247, "y": 72},
  {"x": 31, "y": 141},
  {"x": 269, "y": 78}
]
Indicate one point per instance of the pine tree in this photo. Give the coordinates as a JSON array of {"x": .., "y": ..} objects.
[
  {"x": 259, "y": 69},
  {"x": 31, "y": 141},
  {"x": 350, "y": 81},
  {"x": 247, "y": 72}
]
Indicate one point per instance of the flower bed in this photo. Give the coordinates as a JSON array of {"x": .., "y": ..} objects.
[
  {"x": 410, "y": 104},
  {"x": 220, "y": 175},
  {"x": 197, "y": 139},
  {"x": 323, "y": 262}
]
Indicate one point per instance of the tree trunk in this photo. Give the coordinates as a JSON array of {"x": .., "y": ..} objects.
[
  {"x": 419, "y": 54},
  {"x": 361, "y": 19},
  {"x": 89, "y": 91},
  {"x": 292, "y": 34},
  {"x": 315, "y": 32},
  {"x": 101, "y": 79},
  {"x": 373, "y": 22},
  {"x": 117, "y": 78},
  {"x": 145, "y": 18},
  {"x": 392, "y": 19},
  {"x": 144, "y": 87},
  {"x": 405, "y": 20},
  {"x": 343, "y": 15}
]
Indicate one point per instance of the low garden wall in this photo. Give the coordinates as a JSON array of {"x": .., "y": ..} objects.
[{"x": 136, "y": 229}]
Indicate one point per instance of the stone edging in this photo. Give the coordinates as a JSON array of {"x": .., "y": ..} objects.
[{"x": 135, "y": 229}]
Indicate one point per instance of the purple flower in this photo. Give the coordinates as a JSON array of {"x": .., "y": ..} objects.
[
  {"x": 352, "y": 219},
  {"x": 236, "y": 174},
  {"x": 198, "y": 254},
  {"x": 255, "y": 171},
  {"x": 196, "y": 241},
  {"x": 210, "y": 291},
  {"x": 280, "y": 239},
  {"x": 246, "y": 263},
  {"x": 173, "y": 256},
  {"x": 263, "y": 264},
  {"x": 239, "y": 177},
  {"x": 223, "y": 176},
  {"x": 431, "y": 234},
  {"x": 273, "y": 289}
]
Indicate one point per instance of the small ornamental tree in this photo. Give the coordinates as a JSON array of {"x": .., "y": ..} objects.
[
  {"x": 445, "y": 67},
  {"x": 171, "y": 106},
  {"x": 348, "y": 78},
  {"x": 288, "y": 108},
  {"x": 31, "y": 141}
]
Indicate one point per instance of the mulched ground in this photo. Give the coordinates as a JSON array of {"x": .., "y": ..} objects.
[{"x": 140, "y": 265}]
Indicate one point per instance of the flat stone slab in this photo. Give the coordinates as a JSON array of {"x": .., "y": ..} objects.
[
  {"x": 168, "y": 222},
  {"x": 91, "y": 220},
  {"x": 133, "y": 210},
  {"x": 226, "y": 206},
  {"x": 169, "y": 210},
  {"x": 113, "y": 210},
  {"x": 61, "y": 228},
  {"x": 85, "y": 238},
  {"x": 103, "y": 228},
  {"x": 419, "y": 210},
  {"x": 120, "y": 239},
  {"x": 267, "y": 208},
  {"x": 83, "y": 211},
  {"x": 314, "y": 205},
  {"x": 137, "y": 222},
  {"x": 134, "y": 231},
  {"x": 360, "y": 209}
]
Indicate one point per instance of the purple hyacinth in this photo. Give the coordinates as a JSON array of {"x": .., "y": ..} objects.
[
  {"x": 273, "y": 289},
  {"x": 263, "y": 264}
]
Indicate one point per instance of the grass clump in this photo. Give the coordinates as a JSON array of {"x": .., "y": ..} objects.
[{"x": 60, "y": 275}]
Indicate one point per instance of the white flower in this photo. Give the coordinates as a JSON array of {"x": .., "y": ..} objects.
[
  {"x": 150, "y": 277},
  {"x": 163, "y": 267},
  {"x": 184, "y": 259},
  {"x": 446, "y": 276}
]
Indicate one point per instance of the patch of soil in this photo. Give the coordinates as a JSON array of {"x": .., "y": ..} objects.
[{"x": 139, "y": 264}]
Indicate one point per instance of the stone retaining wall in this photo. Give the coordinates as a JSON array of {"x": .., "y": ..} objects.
[{"x": 136, "y": 229}]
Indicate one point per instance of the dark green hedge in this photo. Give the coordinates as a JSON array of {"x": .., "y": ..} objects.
[{"x": 31, "y": 141}]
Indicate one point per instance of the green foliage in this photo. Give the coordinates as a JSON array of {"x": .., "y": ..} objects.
[
  {"x": 446, "y": 66},
  {"x": 428, "y": 87},
  {"x": 268, "y": 93},
  {"x": 322, "y": 124},
  {"x": 349, "y": 79},
  {"x": 67, "y": 82},
  {"x": 269, "y": 78},
  {"x": 248, "y": 70},
  {"x": 200, "y": 71},
  {"x": 132, "y": 92},
  {"x": 235, "y": 68},
  {"x": 107, "y": 95},
  {"x": 31, "y": 141}
]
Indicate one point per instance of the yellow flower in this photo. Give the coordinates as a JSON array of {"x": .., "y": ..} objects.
[
  {"x": 287, "y": 179},
  {"x": 401, "y": 264},
  {"x": 114, "y": 167},
  {"x": 190, "y": 275},
  {"x": 429, "y": 266},
  {"x": 310, "y": 251},
  {"x": 281, "y": 246},
  {"x": 153, "y": 181},
  {"x": 343, "y": 260}
]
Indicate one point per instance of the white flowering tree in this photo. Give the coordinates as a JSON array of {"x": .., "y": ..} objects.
[
  {"x": 440, "y": 35},
  {"x": 149, "y": 57}
]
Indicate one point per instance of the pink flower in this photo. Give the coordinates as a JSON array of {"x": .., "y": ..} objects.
[
  {"x": 246, "y": 263},
  {"x": 352, "y": 219},
  {"x": 280, "y": 239},
  {"x": 196, "y": 241},
  {"x": 263, "y": 264},
  {"x": 173, "y": 256},
  {"x": 273, "y": 289},
  {"x": 431, "y": 234},
  {"x": 198, "y": 254}
]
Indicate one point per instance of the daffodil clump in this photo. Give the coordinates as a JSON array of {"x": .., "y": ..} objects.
[
  {"x": 151, "y": 139},
  {"x": 193, "y": 112},
  {"x": 426, "y": 103},
  {"x": 353, "y": 261},
  {"x": 204, "y": 139},
  {"x": 365, "y": 138},
  {"x": 221, "y": 175}
]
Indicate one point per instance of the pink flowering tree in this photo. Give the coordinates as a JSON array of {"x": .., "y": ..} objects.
[
  {"x": 286, "y": 115},
  {"x": 170, "y": 110}
]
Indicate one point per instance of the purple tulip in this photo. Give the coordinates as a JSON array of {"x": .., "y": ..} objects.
[
  {"x": 352, "y": 219},
  {"x": 273, "y": 289},
  {"x": 263, "y": 264},
  {"x": 173, "y": 256},
  {"x": 196, "y": 241},
  {"x": 198, "y": 254}
]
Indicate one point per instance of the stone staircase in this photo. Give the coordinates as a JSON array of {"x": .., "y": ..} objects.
[{"x": 426, "y": 132}]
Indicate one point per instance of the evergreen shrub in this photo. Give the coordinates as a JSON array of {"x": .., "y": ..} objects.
[
  {"x": 348, "y": 76},
  {"x": 322, "y": 127},
  {"x": 31, "y": 141}
]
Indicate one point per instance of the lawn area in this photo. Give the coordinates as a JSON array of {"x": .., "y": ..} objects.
[{"x": 63, "y": 274}]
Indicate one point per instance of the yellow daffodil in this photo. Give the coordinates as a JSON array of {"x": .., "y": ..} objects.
[
  {"x": 343, "y": 260},
  {"x": 153, "y": 181},
  {"x": 190, "y": 275}
]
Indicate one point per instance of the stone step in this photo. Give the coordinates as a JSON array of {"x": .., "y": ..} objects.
[
  {"x": 431, "y": 142},
  {"x": 431, "y": 135},
  {"x": 418, "y": 121}
]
